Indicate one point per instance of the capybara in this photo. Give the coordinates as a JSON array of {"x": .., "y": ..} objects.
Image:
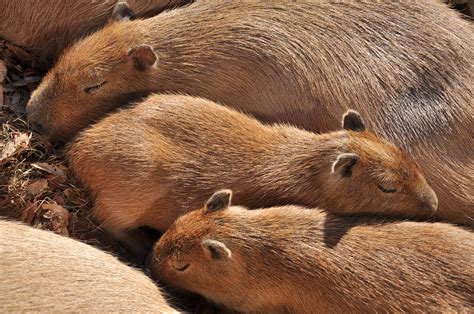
[
  {"x": 44, "y": 272},
  {"x": 305, "y": 64},
  {"x": 46, "y": 27},
  {"x": 295, "y": 260},
  {"x": 148, "y": 164}
]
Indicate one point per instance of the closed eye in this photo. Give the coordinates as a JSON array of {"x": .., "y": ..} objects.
[
  {"x": 386, "y": 190},
  {"x": 183, "y": 268},
  {"x": 95, "y": 88}
]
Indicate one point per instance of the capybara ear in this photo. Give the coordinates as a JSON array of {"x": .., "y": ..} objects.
[
  {"x": 122, "y": 12},
  {"x": 216, "y": 250},
  {"x": 344, "y": 164},
  {"x": 352, "y": 120},
  {"x": 219, "y": 200},
  {"x": 143, "y": 57}
]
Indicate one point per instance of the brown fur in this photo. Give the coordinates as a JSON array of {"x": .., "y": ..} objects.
[
  {"x": 148, "y": 164},
  {"x": 299, "y": 63},
  {"x": 48, "y": 26},
  {"x": 306, "y": 261},
  {"x": 44, "y": 272}
]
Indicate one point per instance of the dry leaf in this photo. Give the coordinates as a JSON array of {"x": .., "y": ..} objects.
[
  {"x": 3, "y": 71},
  {"x": 14, "y": 145},
  {"x": 57, "y": 218},
  {"x": 28, "y": 213},
  {"x": 57, "y": 170},
  {"x": 71, "y": 195},
  {"x": 37, "y": 187},
  {"x": 59, "y": 199},
  {"x": 55, "y": 181}
]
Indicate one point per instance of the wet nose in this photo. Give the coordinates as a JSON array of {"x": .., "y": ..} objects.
[{"x": 430, "y": 200}]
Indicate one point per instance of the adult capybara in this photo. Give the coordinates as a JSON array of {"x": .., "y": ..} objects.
[
  {"x": 48, "y": 26},
  {"x": 148, "y": 164},
  {"x": 304, "y": 64},
  {"x": 295, "y": 260},
  {"x": 44, "y": 272}
]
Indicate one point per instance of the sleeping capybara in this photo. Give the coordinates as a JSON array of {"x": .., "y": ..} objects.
[
  {"x": 295, "y": 260},
  {"x": 148, "y": 164},
  {"x": 47, "y": 27},
  {"x": 304, "y": 64},
  {"x": 44, "y": 272}
]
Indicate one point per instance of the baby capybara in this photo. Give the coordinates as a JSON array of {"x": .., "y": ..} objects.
[
  {"x": 302, "y": 63},
  {"x": 148, "y": 164},
  {"x": 295, "y": 260},
  {"x": 47, "y": 273}
]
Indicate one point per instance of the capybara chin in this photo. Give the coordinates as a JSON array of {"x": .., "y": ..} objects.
[
  {"x": 295, "y": 260},
  {"x": 47, "y": 27},
  {"x": 43, "y": 272},
  {"x": 300, "y": 63},
  {"x": 148, "y": 164}
]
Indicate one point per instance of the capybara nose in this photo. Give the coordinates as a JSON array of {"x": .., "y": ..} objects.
[
  {"x": 430, "y": 200},
  {"x": 33, "y": 119}
]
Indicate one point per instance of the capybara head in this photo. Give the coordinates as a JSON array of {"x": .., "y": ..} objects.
[
  {"x": 371, "y": 175},
  {"x": 92, "y": 77},
  {"x": 192, "y": 257}
]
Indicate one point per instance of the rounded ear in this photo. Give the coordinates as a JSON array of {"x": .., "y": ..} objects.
[
  {"x": 352, "y": 121},
  {"x": 122, "y": 13},
  {"x": 344, "y": 163},
  {"x": 219, "y": 200},
  {"x": 216, "y": 250},
  {"x": 143, "y": 57}
]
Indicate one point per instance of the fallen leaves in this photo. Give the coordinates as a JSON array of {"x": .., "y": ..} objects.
[
  {"x": 3, "y": 70},
  {"x": 22, "y": 78},
  {"x": 13, "y": 146},
  {"x": 37, "y": 187},
  {"x": 57, "y": 173},
  {"x": 48, "y": 216},
  {"x": 57, "y": 170}
]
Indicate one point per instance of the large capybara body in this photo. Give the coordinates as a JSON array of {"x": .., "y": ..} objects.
[
  {"x": 44, "y": 272},
  {"x": 295, "y": 260},
  {"x": 48, "y": 26},
  {"x": 304, "y": 64},
  {"x": 148, "y": 164}
]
